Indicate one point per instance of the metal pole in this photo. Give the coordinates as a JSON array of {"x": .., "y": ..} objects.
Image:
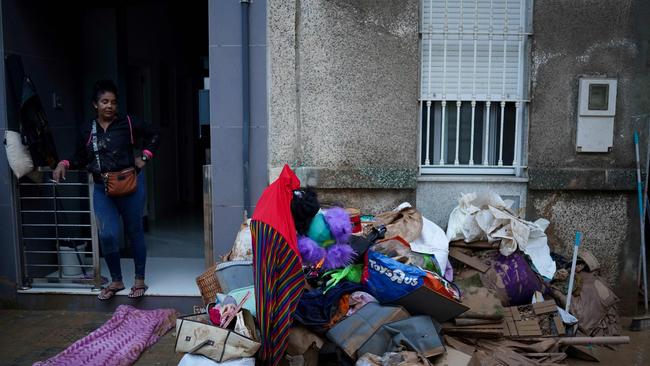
[
  {"x": 573, "y": 271},
  {"x": 245, "y": 102},
  {"x": 97, "y": 278},
  {"x": 641, "y": 220},
  {"x": 56, "y": 232}
]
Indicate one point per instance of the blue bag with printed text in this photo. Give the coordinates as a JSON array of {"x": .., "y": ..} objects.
[{"x": 389, "y": 280}]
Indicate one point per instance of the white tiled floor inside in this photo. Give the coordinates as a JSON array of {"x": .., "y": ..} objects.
[
  {"x": 165, "y": 277},
  {"x": 177, "y": 236}
]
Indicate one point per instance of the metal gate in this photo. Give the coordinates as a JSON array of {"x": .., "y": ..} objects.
[{"x": 58, "y": 236}]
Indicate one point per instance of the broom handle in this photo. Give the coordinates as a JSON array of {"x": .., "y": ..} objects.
[
  {"x": 639, "y": 190},
  {"x": 573, "y": 271},
  {"x": 645, "y": 205}
]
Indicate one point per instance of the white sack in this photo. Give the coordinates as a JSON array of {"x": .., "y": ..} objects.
[
  {"x": 18, "y": 156},
  {"x": 198, "y": 360},
  {"x": 458, "y": 216},
  {"x": 432, "y": 240},
  {"x": 485, "y": 216},
  {"x": 537, "y": 249},
  {"x": 243, "y": 247},
  {"x": 527, "y": 236},
  {"x": 463, "y": 222}
]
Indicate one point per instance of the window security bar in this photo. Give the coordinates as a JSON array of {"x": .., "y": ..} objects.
[
  {"x": 473, "y": 59},
  {"x": 471, "y": 134}
]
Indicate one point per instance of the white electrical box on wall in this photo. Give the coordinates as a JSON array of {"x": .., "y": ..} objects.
[{"x": 596, "y": 111}]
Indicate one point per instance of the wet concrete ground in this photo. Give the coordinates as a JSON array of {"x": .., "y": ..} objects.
[{"x": 30, "y": 336}]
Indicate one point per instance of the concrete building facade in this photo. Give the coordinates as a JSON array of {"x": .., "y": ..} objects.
[
  {"x": 344, "y": 108},
  {"x": 336, "y": 92}
]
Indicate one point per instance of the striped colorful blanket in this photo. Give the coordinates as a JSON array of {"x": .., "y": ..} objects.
[{"x": 278, "y": 285}]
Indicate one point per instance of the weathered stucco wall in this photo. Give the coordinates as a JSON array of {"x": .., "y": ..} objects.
[
  {"x": 593, "y": 193},
  {"x": 343, "y": 95},
  {"x": 438, "y": 196}
]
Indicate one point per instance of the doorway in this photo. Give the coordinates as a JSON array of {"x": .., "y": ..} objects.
[{"x": 157, "y": 54}]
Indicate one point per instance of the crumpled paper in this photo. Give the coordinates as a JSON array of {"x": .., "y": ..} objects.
[{"x": 485, "y": 216}]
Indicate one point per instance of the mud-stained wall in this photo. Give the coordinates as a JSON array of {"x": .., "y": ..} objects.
[
  {"x": 344, "y": 96},
  {"x": 592, "y": 193}
]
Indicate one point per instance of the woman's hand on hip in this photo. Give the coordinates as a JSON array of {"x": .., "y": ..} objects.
[
  {"x": 139, "y": 162},
  {"x": 59, "y": 172}
]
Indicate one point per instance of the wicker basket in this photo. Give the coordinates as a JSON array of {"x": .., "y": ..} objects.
[{"x": 208, "y": 285}]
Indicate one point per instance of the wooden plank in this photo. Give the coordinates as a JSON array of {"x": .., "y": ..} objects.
[
  {"x": 474, "y": 245},
  {"x": 527, "y": 324},
  {"x": 470, "y": 261},
  {"x": 512, "y": 329},
  {"x": 486, "y": 333},
  {"x": 470, "y": 327},
  {"x": 515, "y": 313},
  {"x": 468, "y": 321},
  {"x": 559, "y": 325},
  {"x": 544, "y": 307},
  {"x": 529, "y": 333},
  {"x": 463, "y": 347},
  {"x": 545, "y": 354}
]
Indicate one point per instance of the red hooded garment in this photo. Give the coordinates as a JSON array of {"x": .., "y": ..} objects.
[
  {"x": 277, "y": 269},
  {"x": 274, "y": 207}
]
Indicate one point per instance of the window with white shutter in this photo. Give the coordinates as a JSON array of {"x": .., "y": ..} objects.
[{"x": 472, "y": 85}]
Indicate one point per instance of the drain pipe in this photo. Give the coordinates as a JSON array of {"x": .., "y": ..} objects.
[{"x": 246, "y": 123}]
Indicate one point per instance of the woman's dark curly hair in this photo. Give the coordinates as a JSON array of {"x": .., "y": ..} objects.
[{"x": 101, "y": 87}]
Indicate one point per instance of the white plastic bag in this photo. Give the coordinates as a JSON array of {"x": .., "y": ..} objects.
[
  {"x": 18, "y": 156},
  {"x": 243, "y": 247},
  {"x": 527, "y": 236},
  {"x": 198, "y": 360},
  {"x": 458, "y": 216},
  {"x": 484, "y": 215},
  {"x": 463, "y": 222},
  {"x": 432, "y": 240}
]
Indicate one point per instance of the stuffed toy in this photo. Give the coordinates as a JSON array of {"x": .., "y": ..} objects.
[{"x": 326, "y": 242}]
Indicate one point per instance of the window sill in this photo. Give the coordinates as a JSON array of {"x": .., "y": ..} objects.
[{"x": 472, "y": 178}]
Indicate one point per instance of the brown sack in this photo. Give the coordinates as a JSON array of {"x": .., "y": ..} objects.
[
  {"x": 595, "y": 307},
  {"x": 406, "y": 223}
]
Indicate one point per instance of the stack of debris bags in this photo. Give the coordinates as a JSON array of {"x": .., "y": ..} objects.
[
  {"x": 506, "y": 270},
  {"x": 398, "y": 290},
  {"x": 224, "y": 331},
  {"x": 385, "y": 297}
]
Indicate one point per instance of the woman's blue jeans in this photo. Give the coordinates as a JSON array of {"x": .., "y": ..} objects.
[{"x": 108, "y": 211}]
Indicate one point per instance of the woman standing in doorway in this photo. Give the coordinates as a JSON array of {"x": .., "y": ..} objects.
[{"x": 106, "y": 149}]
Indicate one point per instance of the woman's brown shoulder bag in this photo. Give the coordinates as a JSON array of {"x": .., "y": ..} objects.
[
  {"x": 119, "y": 184},
  {"x": 116, "y": 184}
]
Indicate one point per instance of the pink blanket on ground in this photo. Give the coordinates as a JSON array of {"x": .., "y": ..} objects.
[{"x": 120, "y": 341}]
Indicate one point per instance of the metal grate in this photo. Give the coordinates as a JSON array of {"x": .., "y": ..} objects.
[{"x": 58, "y": 237}]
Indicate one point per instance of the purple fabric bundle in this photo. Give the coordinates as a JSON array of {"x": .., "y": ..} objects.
[
  {"x": 120, "y": 341},
  {"x": 512, "y": 279},
  {"x": 338, "y": 255},
  {"x": 310, "y": 251},
  {"x": 339, "y": 223}
]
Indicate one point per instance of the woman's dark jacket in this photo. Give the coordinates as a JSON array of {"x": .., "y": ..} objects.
[{"x": 115, "y": 145}]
